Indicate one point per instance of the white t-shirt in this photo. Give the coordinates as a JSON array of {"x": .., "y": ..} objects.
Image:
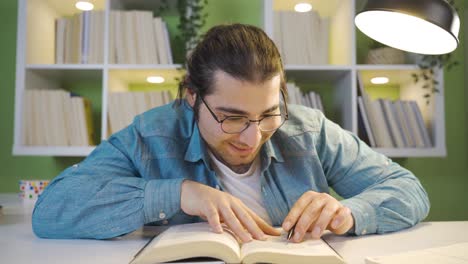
[{"x": 244, "y": 186}]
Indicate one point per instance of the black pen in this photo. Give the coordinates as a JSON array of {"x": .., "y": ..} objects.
[{"x": 291, "y": 232}]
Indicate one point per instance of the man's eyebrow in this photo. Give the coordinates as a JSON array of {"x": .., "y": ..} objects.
[{"x": 236, "y": 111}]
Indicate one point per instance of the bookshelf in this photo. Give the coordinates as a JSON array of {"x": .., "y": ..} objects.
[{"x": 335, "y": 80}]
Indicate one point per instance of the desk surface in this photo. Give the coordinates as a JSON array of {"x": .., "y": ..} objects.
[{"x": 18, "y": 244}]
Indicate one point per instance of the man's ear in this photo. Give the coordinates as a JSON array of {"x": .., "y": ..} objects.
[{"x": 191, "y": 97}]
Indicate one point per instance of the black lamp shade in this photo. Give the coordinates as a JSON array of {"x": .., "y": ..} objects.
[{"x": 419, "y": 26}]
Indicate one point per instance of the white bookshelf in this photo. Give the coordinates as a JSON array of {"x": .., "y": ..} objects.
[{"x": 35, "y": 69}]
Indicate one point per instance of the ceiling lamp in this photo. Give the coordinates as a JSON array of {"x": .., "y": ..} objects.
[{"x": 420, "y": 26}]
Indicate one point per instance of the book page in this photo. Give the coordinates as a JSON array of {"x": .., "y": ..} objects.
[
  {"x": 195, "y": 233},
  {"x": 190, "y": 241},
  {"x": 280, "y": 245}
]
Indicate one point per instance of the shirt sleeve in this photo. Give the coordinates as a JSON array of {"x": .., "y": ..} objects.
[
  {"x": 105, "y": 196},
  {"x": 383, "y": 196}
]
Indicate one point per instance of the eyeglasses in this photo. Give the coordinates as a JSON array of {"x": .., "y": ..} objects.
[{"x": 237, "y": 124}]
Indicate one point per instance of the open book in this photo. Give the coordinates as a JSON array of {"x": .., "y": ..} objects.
[{"x": 197, "y": 240}]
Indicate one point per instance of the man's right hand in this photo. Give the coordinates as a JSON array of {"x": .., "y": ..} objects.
[{"x": 220, "y": 207}]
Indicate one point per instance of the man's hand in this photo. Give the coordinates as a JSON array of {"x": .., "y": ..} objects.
[
  {"x": 315, "y": 212},
  {"x": 219, "y": 207}
]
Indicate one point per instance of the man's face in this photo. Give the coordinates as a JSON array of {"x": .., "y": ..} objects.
[{"x": 240, "y": 98}]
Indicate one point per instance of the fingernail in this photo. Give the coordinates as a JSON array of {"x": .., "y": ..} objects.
[
  {"x": 335, "y": 223},
  {"x": 297, "y": 236},
  {"x": 316, "y": 232},
  {"x": 287, "y": 225}
]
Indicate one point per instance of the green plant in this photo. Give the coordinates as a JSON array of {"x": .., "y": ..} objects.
[{"x": 192, "y": 19}]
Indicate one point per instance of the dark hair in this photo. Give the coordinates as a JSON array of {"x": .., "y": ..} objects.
[{"x": 243, "y": 51}]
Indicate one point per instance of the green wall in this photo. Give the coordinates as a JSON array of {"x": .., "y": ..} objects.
[{"x": 445, "y": 179}]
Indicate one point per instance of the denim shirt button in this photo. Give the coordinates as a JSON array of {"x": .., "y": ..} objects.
[
  {"x": 162, "y": 215},
  {"x": 364, "y": 232}
]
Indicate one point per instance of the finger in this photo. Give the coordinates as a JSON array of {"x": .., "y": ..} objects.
[
  {"x": 264, "y": 226},
  {"x": 308, "y": 217},
  {"x": 247, "y": 221},
  {"x": 212, "y": 216},
  {"x": 233, "y": 223},
  {"x": 297, "y": 209},
  {"x": 342, "y": 221},
  {"x": 325, "y": 217}
]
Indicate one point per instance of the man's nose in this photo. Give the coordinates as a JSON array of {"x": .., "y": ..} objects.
[{"x": 252, "y": 135}]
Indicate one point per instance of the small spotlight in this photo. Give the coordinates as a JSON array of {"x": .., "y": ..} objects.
[
  {"x": 379, "y": 80},
  {"x": 155, "y": 79},
  {"x": 84, "y": 6},
  {"x": 303, "y": 7}
]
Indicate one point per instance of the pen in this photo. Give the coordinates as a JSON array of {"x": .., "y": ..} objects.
[{"x": 291, "y": 232}]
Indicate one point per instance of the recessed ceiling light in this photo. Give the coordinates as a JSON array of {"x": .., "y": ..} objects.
[
  {"x": 379, "y": 80},
  {"x": 303, "y": 7},
  {"x": 84, "y": 6},
  {"x": 155, "y": 79}
]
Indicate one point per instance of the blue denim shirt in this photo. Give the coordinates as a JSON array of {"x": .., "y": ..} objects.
[{"x": 134, "y": 178}]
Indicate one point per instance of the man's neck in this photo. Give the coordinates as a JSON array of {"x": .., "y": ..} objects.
[{"x": 239, "y": 169}]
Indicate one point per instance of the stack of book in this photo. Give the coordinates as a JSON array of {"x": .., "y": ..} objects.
[
  {"x": 138, "y": 38},
  {"x": 124, "y": 106},
  {"x": 302, "y": 38},
  {"x": 79, "y": 39},
  {"x": 310, "y": 99},
  {"x": 391, "y": 124},
  {"x": 56, "y": 118}
]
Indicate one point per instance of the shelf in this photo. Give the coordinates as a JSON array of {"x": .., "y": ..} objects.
[
  {"x": 387, "y": 67},
  {"x": 52, "y": 151},
  {"x": 292, "y": 67},
  {"x": 65, "y": 67},
  {"x": 64, "y": 74},
  {"x": 144, "y": 66},
  {"x": 317, "y": 74},
  {"x": 412, "y": 152}
]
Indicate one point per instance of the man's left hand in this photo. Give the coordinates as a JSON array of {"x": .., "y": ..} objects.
[{"x": 314, "y": 212}]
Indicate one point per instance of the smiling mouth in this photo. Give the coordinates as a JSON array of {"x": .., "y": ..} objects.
[{"x": 241, "y": 150}]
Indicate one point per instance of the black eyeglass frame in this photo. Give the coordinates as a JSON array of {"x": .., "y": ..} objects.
[{"x": 286, "y": 117}]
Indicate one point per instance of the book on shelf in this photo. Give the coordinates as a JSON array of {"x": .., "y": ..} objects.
[
  {"x": 381, "y": 126},
  {"x": 56, "y": 118},
  {"x": 421, "y": 124},
  {"x": 124, "y": 106},
  {"x": 136, "y": 37},
  {"x": 183, "y": 242},
  {"x": 392, "y": 124},
  {"x": 366, "y": 127},
  {"x": 298, "y": 45},
  {"x": 79, "y": 38},
  {"x": 404, "y": 122},
  {"x": 310, "y": 99}
]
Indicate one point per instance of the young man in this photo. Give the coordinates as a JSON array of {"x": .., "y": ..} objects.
[{"x": 231, "y": 152}]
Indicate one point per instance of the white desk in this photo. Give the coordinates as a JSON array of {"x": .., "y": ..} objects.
[{"x": 18, "y": 244}]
